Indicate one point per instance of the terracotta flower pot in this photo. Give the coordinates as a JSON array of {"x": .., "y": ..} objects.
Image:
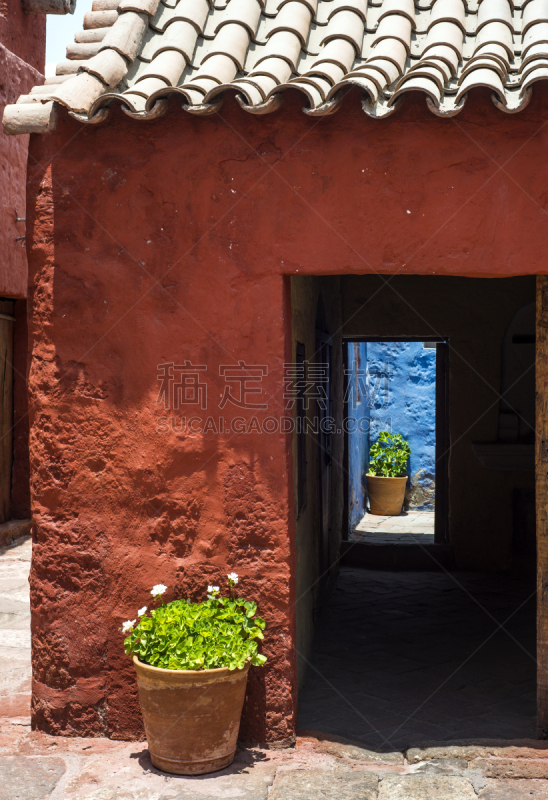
[
  {"x": 191, "y": 718},
  {"x": 386, "y": 495}
]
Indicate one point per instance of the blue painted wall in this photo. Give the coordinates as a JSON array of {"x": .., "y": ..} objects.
[
  {"x": 399, "y": 396},
  {"x": 358, "y": 436}
]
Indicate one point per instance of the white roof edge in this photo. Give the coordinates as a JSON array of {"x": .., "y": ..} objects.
[{"x": 29, "y": 118}]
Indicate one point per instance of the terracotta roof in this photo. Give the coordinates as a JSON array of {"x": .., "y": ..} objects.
[{"x": 137, "y": 52}]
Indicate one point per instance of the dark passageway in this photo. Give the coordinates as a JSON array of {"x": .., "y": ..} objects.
[{"x": 408, "y": 657}]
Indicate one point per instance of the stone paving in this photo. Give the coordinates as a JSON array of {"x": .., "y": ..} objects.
[
  {"x": 377, "y": 529},
  {"x": 34, "y": 766},
  {"x": 15, "y": 671}
]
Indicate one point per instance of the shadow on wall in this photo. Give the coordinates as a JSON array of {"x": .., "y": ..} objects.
[{"x": 517, "y": 407}]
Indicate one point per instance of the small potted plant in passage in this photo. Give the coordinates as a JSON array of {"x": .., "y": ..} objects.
[
  {"x": 192, "y": 661},
  {"x": 387, "y": 474}
]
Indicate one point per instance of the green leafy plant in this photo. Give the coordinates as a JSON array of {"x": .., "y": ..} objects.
[
  {"x": 219, "y": 632},
  {"x": 388, "y": 456}
]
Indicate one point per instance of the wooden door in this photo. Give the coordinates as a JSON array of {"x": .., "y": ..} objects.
[{"x": 6, "y": 405}]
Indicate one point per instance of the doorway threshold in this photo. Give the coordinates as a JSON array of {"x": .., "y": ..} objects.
[
  {"x": 489, "y": 768},
  {"x": 413, "y": 521}
]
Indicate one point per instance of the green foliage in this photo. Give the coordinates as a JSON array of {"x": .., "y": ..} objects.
[
  {"x": 388, "y": 456},
  {"x": 220, "y": 632}
]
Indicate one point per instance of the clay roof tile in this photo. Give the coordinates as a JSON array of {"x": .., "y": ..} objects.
[{"x": 136, "y": 52}]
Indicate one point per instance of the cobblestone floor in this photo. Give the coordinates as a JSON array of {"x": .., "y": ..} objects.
[
  {"x": 401, "y": 658},
  {"x": 374, "y": 528},
  {"x": 34, "y": 766}
]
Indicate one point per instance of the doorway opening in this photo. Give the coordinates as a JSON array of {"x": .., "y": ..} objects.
[
  {"x": 6, "y": 406},
  {"x": 399, "y": 641},
  {"x": 398, "y": 386},
  {"x": 15, "y": 525}
]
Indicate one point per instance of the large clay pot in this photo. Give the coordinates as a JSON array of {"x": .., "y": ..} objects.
[
  {"x": 191, "y": 717},
  {"x": 386, "y": 495}
]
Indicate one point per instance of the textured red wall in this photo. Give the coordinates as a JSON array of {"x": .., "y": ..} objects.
[
  {"x": 23, "y": 34},
  {"x": 168, "y": 241},
  {"x": 16, "y": 77},
  {"x": 22, "y": 52}
]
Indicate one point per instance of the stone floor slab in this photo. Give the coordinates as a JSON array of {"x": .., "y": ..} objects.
[
  {"x": 15, "y": 705},
  {"x": 408, "y": 521},
  {"x": 443, "y": 766},
  {"x": 322, "y": 784},
  {"x": 518, "y": 768},
  {"x": 12, "y": 621},
  {"x": 250, "y": 783},
  {"x": 29, "y": 778},
  {"x": 511, "y": 749},
  {"x": 341, "y": 748},
  {"x": 515, "y": 790},
  {"x": 425, "y": 787},
  {"x": 15, "y": 666}
]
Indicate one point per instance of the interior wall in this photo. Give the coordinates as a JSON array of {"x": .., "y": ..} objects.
[
  {"x": 474, "y": 314},
  {"x": 517, "y": 411},
  {"x": 358, "y": 409},
  {"x": 305, "y": 298}
]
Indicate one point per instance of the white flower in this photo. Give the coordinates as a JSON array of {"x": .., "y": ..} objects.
[
  {"x": 233, "y": 577},
  {"x": 142, "y": 611},
  {"x": 213, "y": 589},
  {"x": 127, "y": 626},
  {"x": 158, "y": 589}
]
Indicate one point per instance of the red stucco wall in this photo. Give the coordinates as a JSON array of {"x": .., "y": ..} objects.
[
  {"x": 16, "y": 78},
  {"x": 169, "y": 241},
  {"x": 23, "y": 34}
]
